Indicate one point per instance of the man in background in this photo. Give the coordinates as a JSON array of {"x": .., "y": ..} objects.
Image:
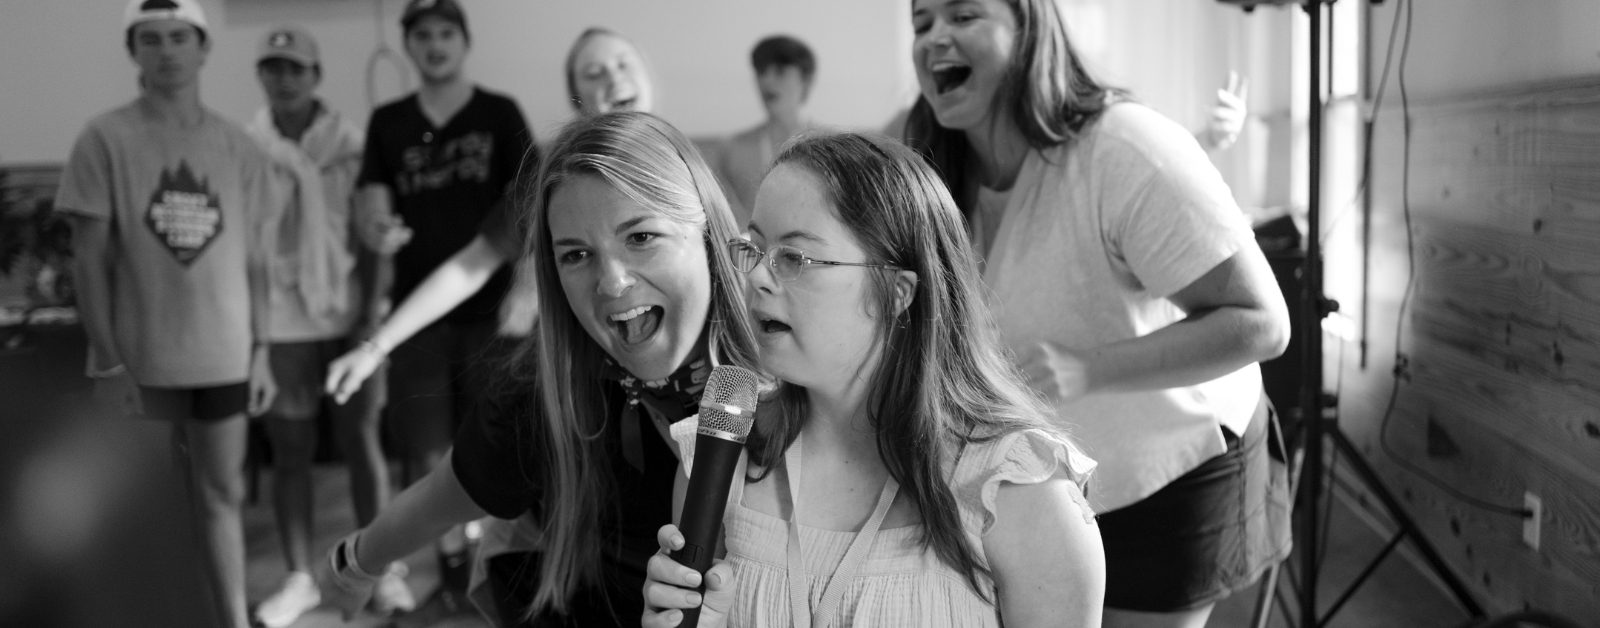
[
  {"x": 436, "y": 161},
  {"x": 169, "y": 203},
  {"x": 785, "y": 70},
  {"x": 321, "y": 298}
]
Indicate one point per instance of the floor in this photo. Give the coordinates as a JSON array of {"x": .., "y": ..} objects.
[
  {"x": 334, "y": 519},
  {"x": 1396, "y": 595},
  {"x": 88, "y": 537}
]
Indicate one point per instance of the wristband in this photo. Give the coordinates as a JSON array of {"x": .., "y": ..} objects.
[
  {"x": 370, "y": 346},
  {"x": 343, "y": 561}
]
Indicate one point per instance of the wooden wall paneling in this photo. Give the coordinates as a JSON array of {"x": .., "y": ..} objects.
[
  {"x": 1485, "y": 548},
  {"x": 1502, "y": 333}
]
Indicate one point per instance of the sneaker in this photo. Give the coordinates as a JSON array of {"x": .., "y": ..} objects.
[
  {"x": 392, "y": 594},
  {"x": 298, "y": 595}
]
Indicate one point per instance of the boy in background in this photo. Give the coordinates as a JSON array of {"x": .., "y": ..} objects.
[
  {"x": 321, "y": 296},
  {"x": 169, "y": 203}
]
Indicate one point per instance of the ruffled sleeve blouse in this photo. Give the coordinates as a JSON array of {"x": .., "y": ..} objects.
[{"x": 900, "y": 583}]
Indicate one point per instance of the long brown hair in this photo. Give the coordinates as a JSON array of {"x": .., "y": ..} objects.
[
  {"x": 1047, "y": 92},
  {"x": 943, "y": 379},
  {"x": 647, "y": 159}
]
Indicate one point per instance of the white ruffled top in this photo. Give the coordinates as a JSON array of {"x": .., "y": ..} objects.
[{"x": 900, "y": 583}]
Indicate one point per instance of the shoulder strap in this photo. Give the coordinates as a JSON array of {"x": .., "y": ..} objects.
[{"x": 833, "y": 593}]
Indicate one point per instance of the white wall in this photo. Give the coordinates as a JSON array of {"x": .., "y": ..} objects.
[
  {"x": 1461, "y": 46},
  {"x": 64, "y": 60},
  {"x": 1174, "y": 55}
]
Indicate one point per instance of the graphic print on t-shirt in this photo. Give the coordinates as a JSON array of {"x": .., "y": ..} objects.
[
  {"x": 463, "y": 159},
  {"x": 184, "y": 213}
]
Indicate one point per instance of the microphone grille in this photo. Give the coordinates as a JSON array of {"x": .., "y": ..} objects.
[{"x": 729, "y": 402}]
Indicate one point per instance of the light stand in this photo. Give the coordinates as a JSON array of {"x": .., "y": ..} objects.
[{"x": 1319, "y": 410}]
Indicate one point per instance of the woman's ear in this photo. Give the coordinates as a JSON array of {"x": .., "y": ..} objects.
[{"x": 905, "y": 290}]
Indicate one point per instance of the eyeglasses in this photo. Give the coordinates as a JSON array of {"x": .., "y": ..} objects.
[{"x": 787, "y": 262}]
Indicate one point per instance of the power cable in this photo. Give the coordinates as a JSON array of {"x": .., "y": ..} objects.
[{"x": 1402, "y": 363}]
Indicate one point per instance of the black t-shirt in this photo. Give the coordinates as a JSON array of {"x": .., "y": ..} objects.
[
  {"x": 503, "y": 228},
  {"x": 496, "y": 459},
  {"x": 445, "y": 180}
]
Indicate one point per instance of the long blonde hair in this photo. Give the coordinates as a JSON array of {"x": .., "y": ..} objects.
[{"x": 655, "y": 165}]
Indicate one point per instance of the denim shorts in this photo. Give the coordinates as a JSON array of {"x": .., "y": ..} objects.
[{"x": 1208, "y": 533}]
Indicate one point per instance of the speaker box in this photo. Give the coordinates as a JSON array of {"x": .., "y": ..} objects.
[{"x": 1280, "y": 242}]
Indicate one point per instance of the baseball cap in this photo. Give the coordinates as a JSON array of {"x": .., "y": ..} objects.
[
  {"x": 289, "y": 42},
  {"x": 140, "y": 11},
  {"x": 448, "y": 10}
]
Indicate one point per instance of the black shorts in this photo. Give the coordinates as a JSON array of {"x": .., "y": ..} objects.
[
  {"x": 210, "y": 403},
  {"x": 301, "y": 368},
  {"x": 1205, "y": 535}
]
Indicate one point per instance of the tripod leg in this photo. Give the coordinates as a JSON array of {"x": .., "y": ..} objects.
[
  {"x": 1269, "y": 586},
  {"x": 1407, "y": 525}
]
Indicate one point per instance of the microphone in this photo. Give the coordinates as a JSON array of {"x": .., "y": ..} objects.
[{"x": 727, "y": 410}]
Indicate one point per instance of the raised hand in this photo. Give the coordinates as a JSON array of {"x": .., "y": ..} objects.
[{"x": 1228, "y": 115}]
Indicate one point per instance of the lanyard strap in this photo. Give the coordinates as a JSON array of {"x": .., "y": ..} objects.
[{"x": 799, "y": 604}]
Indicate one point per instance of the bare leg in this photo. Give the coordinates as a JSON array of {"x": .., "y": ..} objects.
[
  {"x": 1192, "y": 618},
  {"x": 355, "y": 425},
  {"x": 212, "y": 455},
  {"x": 294, "y": 442}
]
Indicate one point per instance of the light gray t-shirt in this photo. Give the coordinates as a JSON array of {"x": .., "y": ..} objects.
[
  {"x": 186, "y": 208},
  {"x": 1095, "y": 235}
]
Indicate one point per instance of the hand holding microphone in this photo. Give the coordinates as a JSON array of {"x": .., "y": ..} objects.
[
  {"x": 689, "y": 578},
  {"x": 672, "y": 591}
]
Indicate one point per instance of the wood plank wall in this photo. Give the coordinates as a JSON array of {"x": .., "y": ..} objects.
[{"x": 1502, "y": 336}]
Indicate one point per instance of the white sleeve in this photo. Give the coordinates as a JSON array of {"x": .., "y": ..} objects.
[{"x": 683, "y": 434}]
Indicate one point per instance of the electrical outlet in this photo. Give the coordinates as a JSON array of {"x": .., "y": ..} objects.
[{"x": 1530, "y": 523}]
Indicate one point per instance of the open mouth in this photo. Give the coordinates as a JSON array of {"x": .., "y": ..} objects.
[
  {"x": 772, "y": 326},
  {"x": 638, "y": 324},
  {"x": 948, "y": 76},
  {"x": 622, "y": 104}
]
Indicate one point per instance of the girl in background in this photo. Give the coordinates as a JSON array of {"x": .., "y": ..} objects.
[{"x": 1129, "y": 285}]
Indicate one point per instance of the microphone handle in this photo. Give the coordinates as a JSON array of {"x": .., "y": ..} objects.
[{"x": 715, "y": 460}]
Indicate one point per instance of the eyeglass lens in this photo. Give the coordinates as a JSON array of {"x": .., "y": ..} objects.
[{"x": 787, "y": 262}]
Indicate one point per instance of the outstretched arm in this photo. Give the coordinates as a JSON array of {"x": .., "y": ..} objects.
[
  {"x": 457, "y": 279},
  {"x": 418, "y": 515}
]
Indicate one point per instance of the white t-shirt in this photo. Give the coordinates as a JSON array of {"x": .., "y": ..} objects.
[
  {"x": 1096, "y": 234},
  {"x": 187, "y": 208}
]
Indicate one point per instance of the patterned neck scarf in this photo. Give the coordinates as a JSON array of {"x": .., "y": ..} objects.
[{"x": 664, "y": 401}]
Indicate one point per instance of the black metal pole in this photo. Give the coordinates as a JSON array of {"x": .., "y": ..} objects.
[{"x": 1311, "y": 309}]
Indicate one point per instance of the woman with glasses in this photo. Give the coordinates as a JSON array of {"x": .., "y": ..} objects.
[
  {"x": 640, "y": 300},
  {"x": 901, "y": 474},
  {"x": 1129, "y": 285}
]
